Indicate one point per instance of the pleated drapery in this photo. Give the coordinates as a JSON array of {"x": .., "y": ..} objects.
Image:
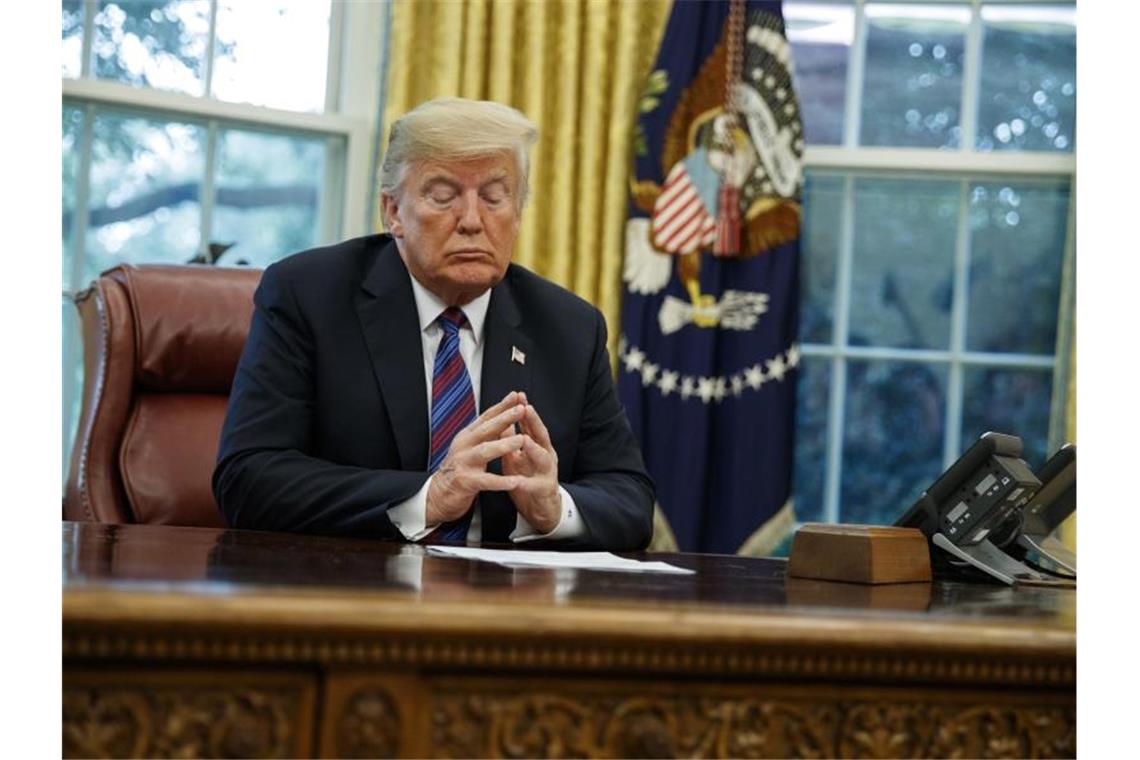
[
  {"x": 576, "y": 69},
  {"x": 1069, "y": 527}
]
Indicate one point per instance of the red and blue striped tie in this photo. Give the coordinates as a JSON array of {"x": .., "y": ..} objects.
[{"x": 452, "y": 409}]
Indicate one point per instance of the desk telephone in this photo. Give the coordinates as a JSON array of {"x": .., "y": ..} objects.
[{"x": 990, "y": 512}]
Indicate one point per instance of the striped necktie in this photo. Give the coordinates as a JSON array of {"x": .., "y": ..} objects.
[{"x": 452, "y": 409}]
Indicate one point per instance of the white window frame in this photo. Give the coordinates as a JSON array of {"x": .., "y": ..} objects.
[
  {"x": 357, "y": 51},
  {"x": 966, "y": 165},
  {"x": 357, "y": 58}
]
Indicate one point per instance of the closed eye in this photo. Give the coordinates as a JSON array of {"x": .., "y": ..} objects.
[
  {"x": 440, "y": 192},
  {"x": 495, "y": 194}
]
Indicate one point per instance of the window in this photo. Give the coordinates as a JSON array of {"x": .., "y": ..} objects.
[
  {"x": 215, "y": 131},
  {"x": 937, "y": 252}
]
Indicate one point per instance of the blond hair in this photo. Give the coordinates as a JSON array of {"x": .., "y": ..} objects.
[{"x": 457, "y": 129}]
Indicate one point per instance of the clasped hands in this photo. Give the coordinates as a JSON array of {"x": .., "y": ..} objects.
[{"x": 530, "y": 466}]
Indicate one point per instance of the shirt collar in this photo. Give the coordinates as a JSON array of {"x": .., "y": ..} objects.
[{"x": 429, "y": 306}]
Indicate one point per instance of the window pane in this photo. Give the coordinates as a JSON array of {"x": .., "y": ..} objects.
[
  {"x": 72, "y": 18},
  {"x": 903, "y": 267},
  {"x": 892, "y": 437},
  {"x": 153, "y": 43},
  {"x": 1014, "y": 401},
  {"x": 72, "y": 132},
  {"x": 1017, "y": 248},
  {"x": 272, "y": 53},
  {"x": 823, "y": 208},
  {"x": 912, "y": 88},
  {"x": 268, "y": 188},
  {"x": 811, "y": 437},
  {"x": 145, "y": 178},
  {"x": 821, "y": 37},
  {"x": 1028, "y": 96},
  {"x": 71, "y": 364}
]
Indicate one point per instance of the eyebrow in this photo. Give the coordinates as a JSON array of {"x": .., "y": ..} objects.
[
  {"x": 500, "y": 176},
  {"x": 435, "y": 179}
]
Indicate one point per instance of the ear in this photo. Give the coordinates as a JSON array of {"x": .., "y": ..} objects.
[{"x": 390, "y": 207}]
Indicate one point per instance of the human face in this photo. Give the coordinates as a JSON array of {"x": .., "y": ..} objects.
[{"x": 455, "y": 224}]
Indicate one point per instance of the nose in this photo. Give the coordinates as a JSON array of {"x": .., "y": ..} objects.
[{"x": 470, "y": 220}]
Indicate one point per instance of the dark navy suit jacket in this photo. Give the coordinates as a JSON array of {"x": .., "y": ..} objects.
[{"x": 327, "y": 424}]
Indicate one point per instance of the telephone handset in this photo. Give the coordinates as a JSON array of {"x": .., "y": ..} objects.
[
  {"x": 978, "y": 494},
  {"x": 1032, "y": 538}
]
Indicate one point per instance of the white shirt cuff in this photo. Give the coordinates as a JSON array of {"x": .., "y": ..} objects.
[
  {"x": 409, "y": 516},
  {"x": 569, "y": 526}
]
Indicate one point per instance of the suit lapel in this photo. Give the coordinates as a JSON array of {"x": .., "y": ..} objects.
[
  {"x": 507, "y": 360},
  {"x": 387, "y": 311},
  {"x": 507, "y": 348}
]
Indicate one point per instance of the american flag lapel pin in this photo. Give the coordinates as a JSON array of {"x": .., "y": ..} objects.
[{"x": 517, "y": 355}]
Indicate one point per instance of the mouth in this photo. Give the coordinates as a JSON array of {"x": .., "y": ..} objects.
[{"x": 470, "y": 253}]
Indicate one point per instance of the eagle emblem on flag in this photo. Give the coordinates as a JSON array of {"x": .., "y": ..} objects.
[{"x": 732, "y": 164}]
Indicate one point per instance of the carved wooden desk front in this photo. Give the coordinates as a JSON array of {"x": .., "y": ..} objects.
[{"x": 200, "y": 642}]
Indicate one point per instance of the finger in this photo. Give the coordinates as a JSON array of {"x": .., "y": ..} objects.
[
  {"x": 508, "y": 401},
  {"x": 537, "y": 429},
  {"x": 515, "y": 453},
  {"x": 492, "y": 427},
  {"x": 531, "y": 460},
  {"x": 487, "y": 451},
  {"x": 512, "y": 460},
  {"x": 489, "y": 481},
  {"x": 539, "y": 457},
  {"x": 517, "y": 463},
  {"x": 523, "y": 402}
]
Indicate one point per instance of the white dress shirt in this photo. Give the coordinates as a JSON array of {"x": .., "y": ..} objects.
[{"x": 410, "y": 516}]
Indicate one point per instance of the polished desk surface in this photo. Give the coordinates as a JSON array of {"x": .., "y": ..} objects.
[
  {"x": 247, "y": 577},
  {"x": 202, "y": 642}
]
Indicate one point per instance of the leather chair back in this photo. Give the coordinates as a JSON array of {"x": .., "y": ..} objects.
[{"x": 161, "y": 344}]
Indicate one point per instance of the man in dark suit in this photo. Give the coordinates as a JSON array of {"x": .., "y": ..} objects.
[{"x": 354, "y": 409}]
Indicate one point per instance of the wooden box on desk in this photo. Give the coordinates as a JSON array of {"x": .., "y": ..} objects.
[{"x": 860, "y": 554}]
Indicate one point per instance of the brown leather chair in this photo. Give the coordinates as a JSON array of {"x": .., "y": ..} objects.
[{"x": 161, "y": 344}]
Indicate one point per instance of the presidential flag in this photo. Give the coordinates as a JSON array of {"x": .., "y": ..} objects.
[{"x": 708, "y": 358}]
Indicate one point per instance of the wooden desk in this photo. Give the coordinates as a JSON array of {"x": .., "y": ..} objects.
[{"x": 200, "y": 642}]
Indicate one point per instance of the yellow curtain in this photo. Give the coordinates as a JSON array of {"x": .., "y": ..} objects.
[
  {"x": 575, "y": 68},
  {"x": 1069, "y": 527}
]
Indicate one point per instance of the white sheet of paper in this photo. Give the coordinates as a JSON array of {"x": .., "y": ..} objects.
[{"x": 580, "y": 560}]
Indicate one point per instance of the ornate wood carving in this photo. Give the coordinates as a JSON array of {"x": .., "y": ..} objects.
[
  {"x": 369, "y": 726},
  {"x": 990, "y": 732},
  {"x": 499, "y": 724},
  {"x": 179, "y": 721}
]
